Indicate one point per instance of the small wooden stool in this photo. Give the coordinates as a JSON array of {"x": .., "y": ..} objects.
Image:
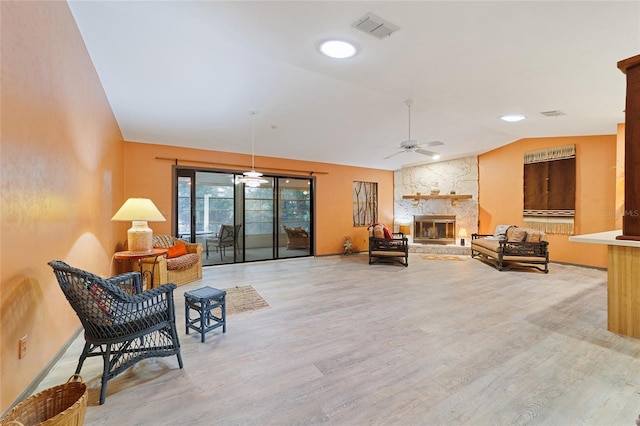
[{"x": 204, "y": 300}]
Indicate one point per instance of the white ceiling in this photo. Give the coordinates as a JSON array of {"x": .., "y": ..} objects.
[{"x": 189, "y": 73}]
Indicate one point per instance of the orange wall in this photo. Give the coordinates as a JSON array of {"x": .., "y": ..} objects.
[
  {"x": 62, "y": 179},
  {"x": 65, "y": 170},
  {"x": 501, "y": 196},
  {"x": 148, "y": 177}
]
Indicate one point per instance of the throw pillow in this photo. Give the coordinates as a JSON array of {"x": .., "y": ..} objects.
[
  {"x": 378, "y": 231},
  {"x": 162, "y": 240},
  {"x": 533, "y": 237},
  {"x": 177, "y": 250},
  {"x": 501, "y": 232},
  {"x": 387, "y": 233},
  {"x": 517, "y": 235},
  {"x": 97, "y": 293}
]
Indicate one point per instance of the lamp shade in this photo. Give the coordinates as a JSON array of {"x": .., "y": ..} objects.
[
  {"x": 139, "y": 211},
  {"x": 462, "y": 232}
]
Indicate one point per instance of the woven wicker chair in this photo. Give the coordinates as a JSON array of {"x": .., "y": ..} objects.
[
  {"x": 122, "y": 324},
  {"x": 296, "y": 237},
  {"x": 175, "y": 271}
]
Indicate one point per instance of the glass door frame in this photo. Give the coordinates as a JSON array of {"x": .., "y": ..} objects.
[{"x": 240, "y": 203}]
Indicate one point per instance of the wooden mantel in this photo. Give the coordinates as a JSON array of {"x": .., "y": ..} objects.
[{"x": 453, "y": 197}]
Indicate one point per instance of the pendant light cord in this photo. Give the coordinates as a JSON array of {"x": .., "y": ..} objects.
[
  {"x": 408, "y": 103},
  {"x": 253, "y": 137},
  {"x": 409, "y": 106}
]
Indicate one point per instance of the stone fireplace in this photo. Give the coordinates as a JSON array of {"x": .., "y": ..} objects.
[
  {"x": 434, "y": 229},
  {"x": 459, "y": 176}
]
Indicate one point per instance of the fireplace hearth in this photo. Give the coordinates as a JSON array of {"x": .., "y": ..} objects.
[{"x": 434, "y": 229}]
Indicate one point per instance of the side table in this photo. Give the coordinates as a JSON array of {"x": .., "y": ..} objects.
[
  {"x": 204, "y": 300},
  {"x": 132, "y": 256}
]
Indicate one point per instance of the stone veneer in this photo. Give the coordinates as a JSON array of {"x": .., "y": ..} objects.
[{"x": 459, "y": 175}]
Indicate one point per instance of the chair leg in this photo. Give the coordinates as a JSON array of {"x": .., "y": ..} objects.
[
  {"x": 105, "y": 372},
  {"x": 179, "y": 359},
  {"x": 83, "y": 356},
  {"x": 187, "y": 317},
  {"x": 176, "y": 342},
  {"x": 202, "y": 320},
  {"x": 224, "y": 315}
]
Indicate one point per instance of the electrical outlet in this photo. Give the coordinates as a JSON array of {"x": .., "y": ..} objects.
[{"x": 22, "y": 347}]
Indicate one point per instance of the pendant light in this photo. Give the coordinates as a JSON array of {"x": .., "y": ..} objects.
[{"x": 253, "y": 179}]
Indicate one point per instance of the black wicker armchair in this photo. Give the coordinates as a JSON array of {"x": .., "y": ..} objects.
[{"x": 122, "y": 324}]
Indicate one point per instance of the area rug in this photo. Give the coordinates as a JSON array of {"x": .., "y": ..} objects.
[
  {"x": 241, "y": 299},
  {"x": 442, "y": 257}
]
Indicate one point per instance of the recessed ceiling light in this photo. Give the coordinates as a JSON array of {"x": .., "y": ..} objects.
[
  {"x": 337, "y": 49},
  {"x": 512, "y": 117}
]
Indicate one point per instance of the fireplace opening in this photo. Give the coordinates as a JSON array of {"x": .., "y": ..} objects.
[{"x": 434, "y": 229}]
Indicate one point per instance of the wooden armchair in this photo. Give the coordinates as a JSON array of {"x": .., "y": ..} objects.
[
  {"x": 178, "y": 270},
  {"x": 389, "y": 250},
  {"x": 122, "y": 324}
]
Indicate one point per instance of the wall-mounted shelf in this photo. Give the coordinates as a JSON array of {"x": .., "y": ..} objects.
[{"x": 453, "y": 197}]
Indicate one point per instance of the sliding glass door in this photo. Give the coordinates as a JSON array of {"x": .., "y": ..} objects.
[
  {"x": 205, "y": 208},
  {"x": 259, "y": 210},
  {"x": 294, "y": 208},
  {"x": 236, "y": 223}
]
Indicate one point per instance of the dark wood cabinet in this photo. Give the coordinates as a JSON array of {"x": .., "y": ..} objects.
[{"x": 631, "y": 216}]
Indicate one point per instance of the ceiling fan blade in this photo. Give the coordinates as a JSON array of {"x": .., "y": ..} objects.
[
  {"x": 395, "y": 153},
  {"x": 425, "y": 152},
  {"x": 431, "y": 143}
]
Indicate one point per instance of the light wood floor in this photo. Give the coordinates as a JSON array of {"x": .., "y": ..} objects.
[{"x": 346, "y": 343}]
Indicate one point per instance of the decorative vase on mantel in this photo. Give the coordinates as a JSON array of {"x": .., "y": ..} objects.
[{"x": 435, "y": 190}]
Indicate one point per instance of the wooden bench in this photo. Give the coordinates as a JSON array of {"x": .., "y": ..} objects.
[{"x": 513, "y": 251}]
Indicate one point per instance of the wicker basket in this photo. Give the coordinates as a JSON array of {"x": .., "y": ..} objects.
[{"x": 60, "y": 405}]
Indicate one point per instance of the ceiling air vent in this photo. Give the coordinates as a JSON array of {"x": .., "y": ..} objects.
[
  {"x": 555, "y": 113},
  {"x": 375, "y": 26}
]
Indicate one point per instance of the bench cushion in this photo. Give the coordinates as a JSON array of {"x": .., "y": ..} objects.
[
  {"x": 387, "y": 253},
  {"x": 487, "y": 243}
]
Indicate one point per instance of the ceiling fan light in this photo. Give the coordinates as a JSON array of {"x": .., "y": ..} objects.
[
  {"x": 252, "y": 183},
  {"x": 337, "y": 49},
  {"x": 252, "y": 179},
  {"x": 435, "y": 156},
  {"x": 252, "y": 174}
]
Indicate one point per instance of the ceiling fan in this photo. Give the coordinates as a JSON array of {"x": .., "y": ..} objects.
[{"x": 411, "y": 145}]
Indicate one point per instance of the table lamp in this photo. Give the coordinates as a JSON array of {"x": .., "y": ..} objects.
[
  {"x": 139, "y": 211},
  {"x": 462, "y": 233}
]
